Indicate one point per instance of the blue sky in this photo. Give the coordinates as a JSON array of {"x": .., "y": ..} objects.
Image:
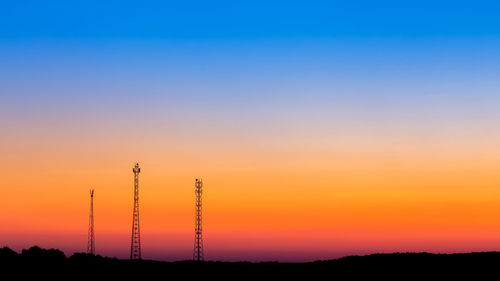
[
  {"x": 361, "y": 55},
  {"x": 247, "y": 19},
  {"x": 354, "y": 89}
]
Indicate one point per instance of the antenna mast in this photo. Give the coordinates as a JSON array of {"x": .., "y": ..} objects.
[
  {"x": 198, "y": 238},
  {"x": 135, "y": 244},
  {"x": 91, "y": 239}
]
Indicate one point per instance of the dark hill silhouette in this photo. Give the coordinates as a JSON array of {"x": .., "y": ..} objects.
[
  {"x": 53, "y": 263},
  {"x": 38, "y": 254}
]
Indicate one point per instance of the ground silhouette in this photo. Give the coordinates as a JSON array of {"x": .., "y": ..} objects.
[{"x": 52, "y": 263}]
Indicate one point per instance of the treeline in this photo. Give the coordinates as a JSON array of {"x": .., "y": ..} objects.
[{"x": 52, "y": 263}]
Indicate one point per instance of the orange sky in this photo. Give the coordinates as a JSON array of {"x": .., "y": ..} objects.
[{"x": 289, "y": 198}]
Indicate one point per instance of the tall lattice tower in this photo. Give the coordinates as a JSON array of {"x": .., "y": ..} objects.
[
  {"x": 91, "y": 239},
  {"x": 198, "y": 237},
  {"x": 135, "y": 244}
]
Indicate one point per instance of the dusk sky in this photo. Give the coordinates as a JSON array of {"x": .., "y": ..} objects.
[{"x": 320, "y": 128}]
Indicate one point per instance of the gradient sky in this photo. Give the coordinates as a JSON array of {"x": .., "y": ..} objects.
[{"x": 320, "y": 128}]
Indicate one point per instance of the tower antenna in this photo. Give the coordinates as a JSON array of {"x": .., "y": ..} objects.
[
  {"x": 135, "y": 244},
  {"x": 198, "y": 237},
  {"x": 91, "y": 238}
]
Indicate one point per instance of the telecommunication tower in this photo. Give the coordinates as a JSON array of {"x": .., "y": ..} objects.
[
  {"x": 91, "y": 239},
  {"x": 198, "y": 238},
  {"x": 135, "y": 244}
]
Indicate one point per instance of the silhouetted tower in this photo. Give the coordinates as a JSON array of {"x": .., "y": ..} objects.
[
  {"x": 198, "y": 238},
  {"x": 135, "y": 244},
  {"x": 91, "y": 239}
]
